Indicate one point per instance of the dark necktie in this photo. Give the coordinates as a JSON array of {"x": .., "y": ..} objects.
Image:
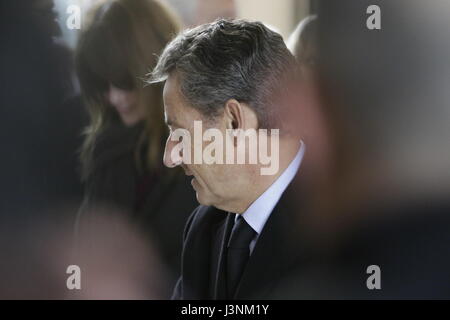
[{"x": 238, "y": 252}]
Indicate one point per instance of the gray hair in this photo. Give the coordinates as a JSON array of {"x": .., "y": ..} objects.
[{"x": 229, "y": 59}]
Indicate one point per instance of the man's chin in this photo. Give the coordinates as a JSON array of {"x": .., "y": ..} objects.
[
  {"x": 202, "y": 199},
  {"x": 203, "y": 196}
]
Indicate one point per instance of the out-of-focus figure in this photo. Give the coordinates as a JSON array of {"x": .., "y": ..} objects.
[
  {"x": 38, "y": 261},
  {"x": 117, "y": 261},
  {"x": 40, "y": 114},
  {"x": 303, "y": 43},
  {"x": 381, "y": 226},
  {"x": 124, "y": 142}
]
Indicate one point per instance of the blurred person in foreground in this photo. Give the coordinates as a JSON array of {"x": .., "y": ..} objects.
[
  {"x": 303, "y": 43},
  {"x": 118, "y": 264},
  {"x": 40, "y": 115},
  {"x": 234, "y": 76},
  {"x": 122, "y": 151},
  {"x": 381, "y": 228},
  {"x": 308, "y": 115}
]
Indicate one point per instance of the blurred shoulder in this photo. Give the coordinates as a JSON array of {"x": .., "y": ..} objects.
[{"x": 203, "y": 218}]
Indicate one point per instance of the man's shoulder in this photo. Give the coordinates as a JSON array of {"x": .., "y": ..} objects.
[{"x": 203, "y": 217}]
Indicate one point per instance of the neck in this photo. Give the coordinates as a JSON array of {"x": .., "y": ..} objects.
[{"x": 257, "y": 184}]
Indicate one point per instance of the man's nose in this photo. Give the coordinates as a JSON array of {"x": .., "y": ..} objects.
[{"x": 171, "y": 159}]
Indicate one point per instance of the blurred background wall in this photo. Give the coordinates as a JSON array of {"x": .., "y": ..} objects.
[{"x": 282, "y": 15}]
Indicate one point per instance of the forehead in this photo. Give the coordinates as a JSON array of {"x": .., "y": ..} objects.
[
  {"x": 177, "y": 110},
  {"x": 172, "y": 92},
  {"x": 173, "y": 99}
]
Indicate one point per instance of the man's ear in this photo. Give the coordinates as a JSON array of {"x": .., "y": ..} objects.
[{"x": 239, "y": 116}]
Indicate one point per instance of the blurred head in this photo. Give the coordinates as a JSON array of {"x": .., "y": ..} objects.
[
  {"x": 115, "y": 260},
  {"x": 229, "y": 75},
  {"x": 119, "y": 44},
  {"x": 385, "y": 96},
  {"x": 303, "y": 44}
]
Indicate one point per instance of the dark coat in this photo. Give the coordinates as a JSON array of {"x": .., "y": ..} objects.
[
  {"x": 410, "y": 245},
  {"x": 277, "y": 252},
  {"x": 161, "y": 211}
]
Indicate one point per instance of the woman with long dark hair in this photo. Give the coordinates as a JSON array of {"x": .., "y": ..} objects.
[{"x": 123, "y": 147}]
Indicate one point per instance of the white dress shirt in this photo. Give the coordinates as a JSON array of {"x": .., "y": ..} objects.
[{"x": 259, "y": 211}]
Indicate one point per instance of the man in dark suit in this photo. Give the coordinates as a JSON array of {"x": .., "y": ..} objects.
[{"x": 235, "y": 77}]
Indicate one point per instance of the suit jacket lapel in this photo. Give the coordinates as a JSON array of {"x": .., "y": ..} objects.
[
  {"x": 219, "y": 258},
  {"x": 198, "y": 252},
  {"x": 278, "y": 248}
]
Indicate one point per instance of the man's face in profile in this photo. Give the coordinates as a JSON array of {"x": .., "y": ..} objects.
[{"x": 215, "y": 184}]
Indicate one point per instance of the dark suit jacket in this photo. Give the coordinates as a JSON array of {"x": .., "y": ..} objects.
[{"x": 275, "y": 255}]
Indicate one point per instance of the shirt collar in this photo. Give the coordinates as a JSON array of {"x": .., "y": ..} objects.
[{"x": 259, "y": 211}]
